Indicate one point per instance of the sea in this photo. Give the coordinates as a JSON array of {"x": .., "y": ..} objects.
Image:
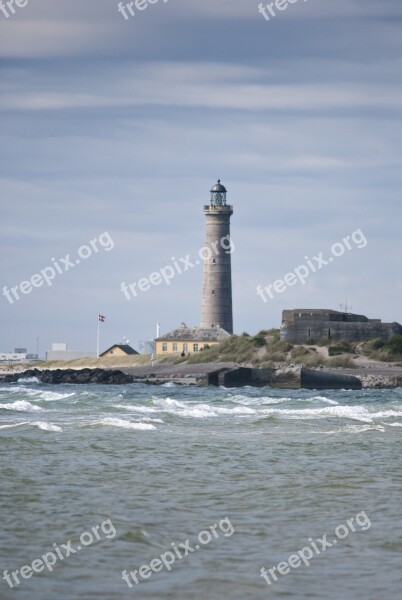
[{"x": 173, "y": 492}]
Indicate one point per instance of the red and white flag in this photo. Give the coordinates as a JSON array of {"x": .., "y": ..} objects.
[{"x": 101, "y": 318}]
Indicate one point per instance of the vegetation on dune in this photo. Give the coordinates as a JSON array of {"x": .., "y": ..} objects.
[
  {"x": 235, "y": 349},
  {"x": 344, "y": 362},
  {"x": 308, "y": 357},
  {"x": 386, "y": 351},
  {"x": 299, "y": 353},
  {"x": 265, "y": 349},
  {"x": 109, "y": 362},
  {"x": 394, "y": 345},
  {"x": 342, "y": 347}
]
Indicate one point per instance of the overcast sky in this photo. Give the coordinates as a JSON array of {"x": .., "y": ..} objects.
[{"x": 122, "y": 126}]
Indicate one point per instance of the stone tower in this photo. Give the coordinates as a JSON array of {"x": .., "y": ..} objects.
[{"x": 217, "y": 288}]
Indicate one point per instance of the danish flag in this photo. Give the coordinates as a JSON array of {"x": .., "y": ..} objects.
[{"x": 101, "y": 318}]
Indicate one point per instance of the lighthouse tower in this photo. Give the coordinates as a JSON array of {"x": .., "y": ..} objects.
[{"x": 217, "y": 288}]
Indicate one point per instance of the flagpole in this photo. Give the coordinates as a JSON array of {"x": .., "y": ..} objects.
[{"x": 97, "y": 340}]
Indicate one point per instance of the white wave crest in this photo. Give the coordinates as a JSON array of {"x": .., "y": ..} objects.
[
  {"x": 200, "y": 411},
  {"x": 21, "y": 406},
  {"x": 37, "y": 394},
  {"x": 136, "y": 408},
  {"x": 45, "y": 426},
  {"x": 51, "y": 396},
  {"x": 354, "y": 413},
  {"x": 247, "y": 401},
  {"x": 12, "y": 425},
  {"x": 168, "y": 403},
  {"x": 28, "y": 380},
  {"x": 356, "y": 429},
  {"x": 323, "y": 399},
  {"x": 113, "y": 422}
]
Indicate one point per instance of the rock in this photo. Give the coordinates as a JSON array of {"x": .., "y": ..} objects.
[{"x": 79, "y": 376}]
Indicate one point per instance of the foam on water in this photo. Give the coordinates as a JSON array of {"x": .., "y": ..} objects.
[
  {"x": 45, "y": 426},
  {"x": 385, "y": 414},
  {"x": 353, "y": 429},
  {"x": 37, "y": 394},
  {"x": 21, "y": 406},
  {"x": 199, "y": 411},
  {"x": 323, "y": 399},
  {"x": 168, "y": 403},
  {"x": 136, "y": 408},
  {"x": 257, "y": 407},
  {"x": 247, "y": 401},
  {"x": 113, "y": 422},
  {"x": 12, "y": 425},
  {"x": 46, "y": 395},
  {"x": 142, "y": 411},
  {"x": 355, "y": 413},
  {"x": 95, "y": 462},
  {"x": 28, "y": 380}
]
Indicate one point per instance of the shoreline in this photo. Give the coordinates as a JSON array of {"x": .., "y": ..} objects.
[{"x": 229, "y": 374}]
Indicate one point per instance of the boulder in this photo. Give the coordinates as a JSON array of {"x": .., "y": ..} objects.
[{"x": 79, "y": 376}]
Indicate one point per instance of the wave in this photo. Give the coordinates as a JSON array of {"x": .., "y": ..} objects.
[
  {"x": 169, "y": 405},
  {"x": 12, "y": 425},
  {"x": 264, "y": 400},
  {"x": 354, "y": 413},
  {"x": 113, "y": 422},
  {"x": 323, "y": 399},
  {"x": 52, "y": 396},
  {"x": 247, "y": 401},
  {"x": 357, "y": 413},
  {"x": 356, "y": 429},
  {"x": 21, "y": 406},
  {"x": 195, "y": 410},
  {"x": 28, "y": 380},
  {"x": 45, "y": 426},
  {"x": 136, "y": 408},
  {"x": 36, "y": 394}
]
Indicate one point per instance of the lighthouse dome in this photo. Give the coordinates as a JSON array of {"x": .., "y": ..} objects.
[
  {"x": 218, "y": 194},
  {"x": 218, "y": 187}
]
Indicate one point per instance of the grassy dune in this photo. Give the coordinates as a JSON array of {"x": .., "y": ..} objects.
[{"x": 264, "y": 350}]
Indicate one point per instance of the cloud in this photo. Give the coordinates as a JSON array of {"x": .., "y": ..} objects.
[
  {"x": 196, "y": 85},
  {"x": 118, "y": 126}
]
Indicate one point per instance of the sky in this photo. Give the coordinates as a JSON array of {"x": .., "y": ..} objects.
[{"x": 115, "y": 129}]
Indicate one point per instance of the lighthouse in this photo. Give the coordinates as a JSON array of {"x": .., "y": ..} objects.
[{"x": 216, "y": 308}]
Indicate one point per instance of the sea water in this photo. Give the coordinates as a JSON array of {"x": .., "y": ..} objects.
[{"x": 244, "y": 477}]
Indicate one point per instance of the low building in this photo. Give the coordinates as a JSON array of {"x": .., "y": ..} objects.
[
  {"x": 59, "y": 352},
  {"x": 189, "y": 340},
  {"x": 301, "y": 325},
  {"x": 119, "y": 350},
  {"x": 13, "y": 356}
]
